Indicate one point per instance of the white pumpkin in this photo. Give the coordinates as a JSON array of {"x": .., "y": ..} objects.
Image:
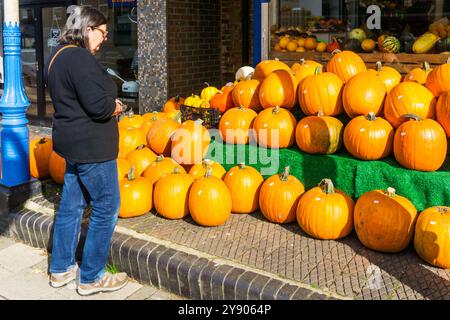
[{"x": 245, "y": 72}]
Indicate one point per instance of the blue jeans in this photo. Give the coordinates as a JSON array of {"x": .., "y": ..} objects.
[{"x": 84, "y": 182}]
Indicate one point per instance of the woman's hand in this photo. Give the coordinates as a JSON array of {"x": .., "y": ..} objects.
[{"x": 119, "y": 107}]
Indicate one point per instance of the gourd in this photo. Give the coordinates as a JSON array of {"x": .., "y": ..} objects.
[
  {"x": 425, "y": 43},
  {"x": 40, "y": 152},
  {"x": 135, "y": 196}
]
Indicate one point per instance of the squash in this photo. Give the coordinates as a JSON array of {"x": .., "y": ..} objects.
[
  {"x": 131, "y": 120},
  {"x": 345, "y": 64},
  {"x": 161, "y": 167},
  {"x": 388, "y": 75},
  {"x": 305, "y": 68},
  {"x": 419, "y": 75},
  {"x": 353, "y": 45},
  {"x": 160, "y": 134},
  {"x": 391, "y": 45},
  {"x": 266, "y": 67},
  {"x": 425, "y": 43},
  {"x": 140, "y": 159},
  {"x": 135, "y": 196},
  {"x": 129, "y": 140},
  {"x": 173, "y": 103},
  {"x": 443, "y": 112},
  {"x": 279, "y": 89},
  {"x": 438, "y": 81},
  {"x": 310, "y": 43},
  {"x": 208, "y": 92},
  {"x": 223, "y": 99},
  {"x": 190, "y": 142},
  {"x": 333, "y": 45},
  {"x": 57, "y": 167},
  {"x": 368, "y": 45},
  {"x": 245, "y": 73},
  {"x": 443, "y": 45},
  {"x": 236, "y": 123},
  {"x": 123, "y": 167},
  {"x": 198, "y": 170},
  {"x": 191, "y": 100},
  {"x": 40, "y": 151},
  {"x": 246, "y": 94}
]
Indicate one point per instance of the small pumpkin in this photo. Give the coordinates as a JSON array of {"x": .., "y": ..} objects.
[
  {"x": 321, "y": 47},
  {"x": 161, "y": 167},
  {"x": 209, "y": 201},
  {"x": 333, "y": 45},
  {"x": 279, "y": 196},
  {"x": 310, "y": 43},
  {"x": 388, "y": 75},
  {"x": 245, "y": 72},
  {"x": 145, "y": 127},
  {"x": 208, "y": 92},
  {"x": 131, "y": 120},
  {"x": 244, "y": 183},
  {"x": 57, "y": 167},
  {"x": 345, "y": 64},
  {"x": 199, "y": 170},
  {"x": 160, "y": 134},
  {"x": 319, "y": 134},
  {"x": 246, "y": 94},
  {"x": 191, "y": 100},
  {"x": 123, "y": 167},
  {"x": 140, "y": 159},
  {"x": 129, "y": 140},
  {"x": 325, "y": 213},
  {"x": 438, "y": 80},
  {"x": 408, "y": 98},
  {"x": 419, "y": 75},
  {"x": 391, "y": 45},
  {"x": 190, "y": 142},
  {"x": 173, "y": 104},
  {"x": 171, "y": 194},
  {"x": 223, "y": 99},
  {"x": 40, "y": 152},
  {"x": 384, "y": 221},
  {"x": 266, "y": 67},
  {"x": 369, "y": 137},
  {"x": 275, "y": 128},
  {"x": 292, "y": 46},
  {"x": 135, "y": 196},
  {"x": 279, "y": 89},
  {"x": 368, "y": 45},
  {"x": 235, "y": 125},
  {"x": 443, "y": 112},
  {"x": 420, "y": 144},
  {"x": 305, "y": 68},
  {"x": 432, "y": 236}
]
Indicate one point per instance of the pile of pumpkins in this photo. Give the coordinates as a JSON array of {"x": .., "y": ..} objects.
[{"x": 300, "y": 44}]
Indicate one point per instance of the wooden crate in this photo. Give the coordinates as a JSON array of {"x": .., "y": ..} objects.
[{"x": 403, "y": 62}]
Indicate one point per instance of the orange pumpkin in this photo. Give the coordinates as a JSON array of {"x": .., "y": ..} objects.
[
  {"x": 40, "y": 152},
  {"x": 173, "y": 104},
  {"x": 408, "y": 98},
  {"x": 174, "y": 115},
  {"x": 266, "y": 67},
  {"x": 190, "y": 142},
  {"x": 384, "y": 221},
  {"x": 140, "y": 159},
  {"x": 135, "y": 196},
  {"x": 123, "y": 167},
  {"x": 171, "y": 194},
  {"x": 223, "y": 99},
  {"x": 369, "y": 137},
  {"x": 438, "y": 80},
  {"x": 129, "y": 140},
  {"x": 279, "y": 196},
  {"x": 324, "y": 212},
  {"x": 364, "y": 93},
  {"x": 199, "y": 170},
  {"x": 304, "y": 68},
  {"x": 160, "y": 134},
  {"x": 57, "y": 167},
  {"x": 145, "y": 127},
  {"x": 161, "y": 167},
  {"x": 235, "y": 125},
  {"x": 319, "y": 134},
  {"x": 279, "y": 89},
  {"x": 246, "y": 94},
  {"x": 150, "y": 116},
  {"x": 345, "y": 64},
  {"x": 443, "y": 112},
  {"x": 388, "y": 75},
  {"x": 432, "y": 236},
  {"x": 420, "y": 144},
  {"x": 419, "y": 75},
  {"x": 310, "y": 43},
  {"x": 209, "y": 201},
  {"x": 131, "y": 120},
  {"x": 275, "y": 128},
  {"x": 244, "y": 183}
]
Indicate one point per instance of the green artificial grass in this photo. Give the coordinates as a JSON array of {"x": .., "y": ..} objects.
[{"x": 353, "y": 176}]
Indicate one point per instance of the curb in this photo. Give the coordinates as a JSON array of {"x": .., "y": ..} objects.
[{"x": 180, "y": 270}]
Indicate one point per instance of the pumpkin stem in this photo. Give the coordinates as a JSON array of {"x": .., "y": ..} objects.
[
  {"x": 131, "y": 114},
  {"x": 43, "y": 140},
  {"x": 302, "y": 61},
  {"x": 276, "y": 59},
  {"x": 327, "y": 186},
  {"x": 371, "y": 116},
  {"x": 177, "y": 117},
  {"x": 198, "y": 121},
  {"x": 426, "y": 66},
  {"x": 241, "y": 165},
  {"x": 318, "y": 70},
  {"x": 176, "y": 170},
  {"x": 448, "y": 60},
  {"x": 276, "y": 110},
  {"x": 142, "y": 146},
  {"x": 206, "y": 83},
  {"x": 154, "y": 119},
  {"x": 320, "y": 113},
  {"x": 412, "y": 116},
  {"x": 209, "y": 171},
  {"x": 335, "y": 51},
  {"x": 249, "y": 76},
  {"x": 159, "y": 158},
  {"x": 285, "y": 175},
  {"x": 379, "y": 66},
  {"x": 207, "y": 163},
  {"x": 390, "y": 192},
  {"x": 229, "y": 84},
  {"x": 443, "y": 209},
  {"x": 130, "y": 174}
]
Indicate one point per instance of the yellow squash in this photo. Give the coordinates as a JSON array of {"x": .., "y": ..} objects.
[{"x": 425, "y": 43}]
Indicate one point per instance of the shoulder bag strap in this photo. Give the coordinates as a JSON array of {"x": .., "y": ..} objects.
[{"x": 56, "y": 54}]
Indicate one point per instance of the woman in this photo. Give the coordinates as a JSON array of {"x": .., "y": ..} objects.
[{"x": 85, "y": 134}]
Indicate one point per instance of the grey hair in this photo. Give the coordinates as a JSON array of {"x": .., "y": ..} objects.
[{"x": 80, "y": 18}]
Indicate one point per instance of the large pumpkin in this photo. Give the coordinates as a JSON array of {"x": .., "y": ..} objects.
[
  {"x": 140, "y": 159},
  {"x": 384, "y": 221},
  {"x": 150, "y": 116},
  {"x": 275, "y": 128},
  {"x": 40, "y": 152},
  {"x": 171, "y": 194},
  {"x": 129, "y": 140},
  {"x": 420, "y": 144},
  {"x": 324, "y": 212},
  {"x": 147, "y": 124},
  {"x": 305, "y": 68},
  {"x": 173, "y": 104},
  {"x": 319, "y": 134},
  {"x": 266, "y": 67},
  {"x": 199, "y": 170},
  {"x": 246, "y": 94},
  {"x": 409, "y": 98},
  {"x": 131, "y": 120},
  {"x": 432, "y": 236},
  {"x": 57, "y": 167},
  {"x": 321, "y": 92},
  {"x": 279, "y": 196},
  {"x": 209, "y": 201},
  {"x": 419, "y": 75},
  {"x": 244, "y": 183},
  {"x": 123, "y": 167},
  {"x": 135, "y": 196},
  {"x": 190, "y": 142},
  {"x": 438, "y": 80},
  {"x": 160, "y": 134},
  {"x": 364, "y": 93},
  {"x": 369, "y": 137},
  {"x": 388, "y": 75},
  {"x": 443, "y": 112},
  {"x": 345, "y": 64},
  {"x": 161, "y": 167},
  {"x": 279, "y": 89},
  {"x": 223, "y": 99},
  {"x": 235, "y": 125}
]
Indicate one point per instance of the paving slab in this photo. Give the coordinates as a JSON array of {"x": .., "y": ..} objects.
[{"x": 11, "y": 258}]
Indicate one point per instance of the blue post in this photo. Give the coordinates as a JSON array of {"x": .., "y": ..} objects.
[
  {"x": 13, "y": 106},
  {"x": 257, "y": 30}
]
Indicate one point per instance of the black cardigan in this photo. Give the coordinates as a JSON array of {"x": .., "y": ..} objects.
[{"x": 83, "y": 95}]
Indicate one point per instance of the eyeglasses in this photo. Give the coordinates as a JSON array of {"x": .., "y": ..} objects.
[{"x": 104, "y": 33}]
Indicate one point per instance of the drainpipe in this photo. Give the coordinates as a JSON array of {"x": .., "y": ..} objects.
[{"x": 261, "y": 34}]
